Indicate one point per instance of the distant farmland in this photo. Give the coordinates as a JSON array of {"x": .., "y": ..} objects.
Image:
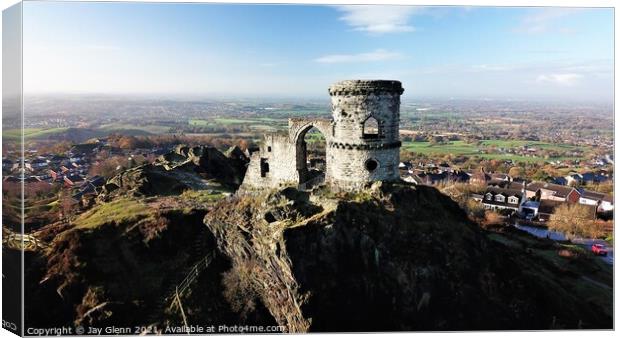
[
  {"x": 461, "y": 148},
  {"x": 31, "y": 133}
]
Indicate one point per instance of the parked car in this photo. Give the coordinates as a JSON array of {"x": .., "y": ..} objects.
[{"x": 599, "y": 249}]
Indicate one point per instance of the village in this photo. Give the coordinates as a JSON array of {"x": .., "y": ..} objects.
[
  {"x": 77, "y": 174},
  {"x": 529, "y": 200}
]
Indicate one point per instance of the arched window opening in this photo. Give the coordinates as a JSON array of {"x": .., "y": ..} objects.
[
  {"x": 370, "y": 128},
  {"x": 311, "y": 157},
  {"x": 264, "y": 167},
  {"x": 315, "y": 150}
]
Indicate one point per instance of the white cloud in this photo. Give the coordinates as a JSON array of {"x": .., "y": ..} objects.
[
  {"x": 378, "y": 19},
  {"x": 377, "y": 55},
  {"x": 490, "y": 68},
  {"x": 545, "y": 20},
  {"x": 565, "y": 79}
]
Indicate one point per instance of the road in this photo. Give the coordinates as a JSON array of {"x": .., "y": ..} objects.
[{"x": 558, "y": 236}]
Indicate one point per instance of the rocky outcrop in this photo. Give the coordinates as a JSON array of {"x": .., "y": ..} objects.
[
  {"x": 150, "y": 180},
  {"x": 209, "y": 162},
  {"x": 391, "y": 258},
  {"x": 184, "y": 168}
]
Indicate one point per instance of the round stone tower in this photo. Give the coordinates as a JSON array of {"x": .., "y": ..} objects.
[{"x": 365, "y": 145}]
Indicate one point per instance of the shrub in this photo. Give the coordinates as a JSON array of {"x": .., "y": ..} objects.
[
  {"x": 492, "y": 217},
  {"x": 574, "y": 220}
]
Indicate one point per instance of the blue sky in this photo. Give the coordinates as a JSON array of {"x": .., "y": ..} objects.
[{"x": 298, "y": 51}]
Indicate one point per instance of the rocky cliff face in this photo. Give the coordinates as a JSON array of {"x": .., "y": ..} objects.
[
  {"x": 119, "y": 262},
  {"x": 395, "y": 257},
  {"x": 124, "y": 271}
]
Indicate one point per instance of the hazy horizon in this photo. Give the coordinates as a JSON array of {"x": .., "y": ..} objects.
[{"x": 296, "y": 98}]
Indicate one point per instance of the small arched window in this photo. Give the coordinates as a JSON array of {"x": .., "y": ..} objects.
[
  {"x": 370, "y": 128},
  {"x": 264, "y": 167}
]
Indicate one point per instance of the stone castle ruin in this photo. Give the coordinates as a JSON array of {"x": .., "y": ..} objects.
[{"x": 361, "y": 140}]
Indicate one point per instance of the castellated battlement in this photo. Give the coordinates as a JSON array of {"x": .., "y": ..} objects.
[{"x": 362, "y": 141}]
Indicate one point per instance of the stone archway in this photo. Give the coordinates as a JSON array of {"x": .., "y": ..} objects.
[
  {"x": 302, "y": 155},
  {"x": 298, "y": 130}
]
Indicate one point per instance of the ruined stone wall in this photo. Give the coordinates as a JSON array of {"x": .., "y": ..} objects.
[{"x": 278, "y": 154}]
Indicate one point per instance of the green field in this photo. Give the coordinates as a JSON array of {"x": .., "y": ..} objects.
[
  {"x": 223, "y": 121},
  {"x": 458, "y": 148},
  {"x": 152, "y": 129},
  {"x": 30, "y": 133},
  {"x": 260, "y": 124},
  {"x": 228, "y": 121},
  {"x": 534, "y": 144}
]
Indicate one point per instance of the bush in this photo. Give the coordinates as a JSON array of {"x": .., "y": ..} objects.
[
  {"x": 574, "y": 221},
  {"x": 239, "y": 288},
  {"x": 492, "y": 217},
  {"x": 475, "y": 209}
]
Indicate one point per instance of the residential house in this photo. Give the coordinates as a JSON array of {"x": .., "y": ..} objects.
[
  {"x": 437, "y": 177},
  {"x": 560, "y": 180},
  {"x": 593, "y": 178},
  {"x": 548, "y": 191},
  {"x": 79, "y": 150},
  {"x": 72, "y": 180},
  {"x": 529, "y": 209},
  {"x": 586, "y": 178},
  {"x": 502, "y": 199},
  {"x": 573, "y": 179},
  {"x": 58, "y": 158},
  {"x": 501, "y": 177},
  {"x": 55, "y": 174},
  {"x": 480, "y": 177},
  {"x": 79, "y": 163},
  {"x": 430, "y": 178},
  {"x": 499, "y": 184},
  {"x": 444, "y": 166},
  {"x": 603, "y": 202},
  {"x": 477, "y": 197},
  {"x": 459, "y": 176}
]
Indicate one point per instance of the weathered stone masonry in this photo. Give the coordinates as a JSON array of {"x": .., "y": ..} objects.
[{"x": 362, "y": 140}]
